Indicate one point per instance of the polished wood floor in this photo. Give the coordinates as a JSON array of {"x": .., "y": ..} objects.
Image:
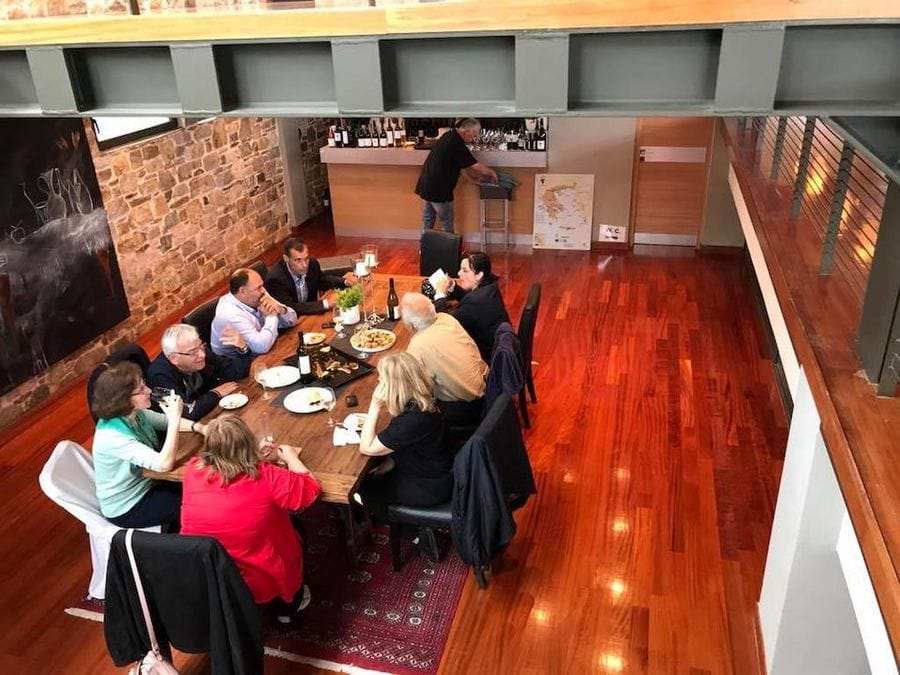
[{"x": 657, "y": 445}]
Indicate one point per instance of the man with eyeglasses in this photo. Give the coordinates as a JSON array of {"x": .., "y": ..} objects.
[
  {"x": 297, "y": 280},
  {"x": 196, "y": 375}
]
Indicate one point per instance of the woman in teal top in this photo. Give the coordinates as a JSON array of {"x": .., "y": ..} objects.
[{"x": 126, "y": 443}]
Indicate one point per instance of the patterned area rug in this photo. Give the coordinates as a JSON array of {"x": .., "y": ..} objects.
[{"x": 367, "y": 619}]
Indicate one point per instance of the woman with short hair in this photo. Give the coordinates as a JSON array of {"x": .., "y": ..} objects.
[
  {"x": 236, "y": 494},
  {"x": 126, "y": 443},
  {"x": 418, "y": 469},
  {"x": 481, "y": 309}
]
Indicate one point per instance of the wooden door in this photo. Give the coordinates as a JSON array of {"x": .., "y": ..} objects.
[{"x": 670, "y": 177}]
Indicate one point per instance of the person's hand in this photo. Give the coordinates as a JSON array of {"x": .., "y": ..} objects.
[
  {"x": 268, "y": 451},
  {"x": 443, "y": 285},
  {"x": 226, "y": 388},
  {"x": 231, "y": 338},
  {"x": 270, "y": 305},
  {"x": 493, "y": 176},
  {"x": 289, "y": 451},
  {"x": 172, "y": 406},
  {"x": 200, "y": 428},
  {"x": 350, "y": 278}
]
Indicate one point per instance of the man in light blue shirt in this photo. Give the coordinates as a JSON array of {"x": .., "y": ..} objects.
[{"x": 252, "y": 312}]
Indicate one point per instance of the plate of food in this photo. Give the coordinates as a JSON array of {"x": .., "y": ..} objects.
[
  {"x": 307, "y": 400},
  {"x": 354, "y": 421},
  {"x": 233, "y": 401},
  {"x": 278, "y": 376},
  {"x": 372, "y": 340},
  {"x": 311, "y": 339}
]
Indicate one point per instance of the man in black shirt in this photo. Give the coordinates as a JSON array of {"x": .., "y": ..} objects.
[{"x": 441, "y": 170}]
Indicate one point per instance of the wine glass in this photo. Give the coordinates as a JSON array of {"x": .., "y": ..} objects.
[
  {"x": 360, "y": 353},
  {"x": 329, "y": 400},
  {"x": 257, "y": 371},
  {"x": 338, "y": 323}
]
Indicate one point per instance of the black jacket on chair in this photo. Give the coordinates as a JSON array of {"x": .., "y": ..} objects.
[
  {"x": 280, "y": 285},
  {"x": 197, "y": 599},
  {"x": 480, "y": 312},
  {"x": 492, "y": 477}
]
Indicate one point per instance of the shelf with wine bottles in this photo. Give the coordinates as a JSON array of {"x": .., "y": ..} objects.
[{"x": 409, "y": 156}]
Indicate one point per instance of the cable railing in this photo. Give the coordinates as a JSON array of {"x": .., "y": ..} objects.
[{"x": 839, "y": 193}]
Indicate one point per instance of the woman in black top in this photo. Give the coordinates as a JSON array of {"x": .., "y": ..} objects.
[
  {"x": 481, "y": 309},
  {"x": 418, "y": 470}
]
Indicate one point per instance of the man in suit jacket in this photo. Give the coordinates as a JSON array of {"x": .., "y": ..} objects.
[{"x": 297, "y": 280}]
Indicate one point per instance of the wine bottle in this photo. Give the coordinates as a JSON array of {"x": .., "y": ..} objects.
[
  {"x": 331, "y": 136},
  {"x": 345, "y": 135},
  {"x": 304, "y": 362},
  {"x": 364, "y": 141},
  {"x": 382, "y": 140},
  {"x": 402, "y": 124},
  {"x": 541, "y": 137},
  {"x": 389, "y": 132},
  {"x": 393, "y": 303},
  {"x": 338, "y": 137}
]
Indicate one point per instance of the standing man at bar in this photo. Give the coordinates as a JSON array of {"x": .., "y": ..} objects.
[{"x": 441, "y": 170}]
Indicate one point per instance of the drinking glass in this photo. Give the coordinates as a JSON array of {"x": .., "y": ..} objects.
[
  {"x": 256, "y": 372},
  {"x": 361, "y": 354},
  {"x": 369, "y": 254},
  {"x": 338, "y": 323},
  {"x": 329, "y": 400},
  {"x": 158, "y": 394}
]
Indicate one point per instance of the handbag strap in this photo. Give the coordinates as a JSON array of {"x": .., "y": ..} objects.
[{"x": 154, "y": 646}]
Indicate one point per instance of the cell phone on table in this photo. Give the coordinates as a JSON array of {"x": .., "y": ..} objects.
[{"x": 328, "y": 324}]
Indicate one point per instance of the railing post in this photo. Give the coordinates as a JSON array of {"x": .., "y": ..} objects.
[
  {"x": 878, "y": 337},
  {"x": 837, "y": 208},
  {"x": 809, "y": 131},
  {"x": 779, "y": 148},
  {"x": 760, "y": 123}
]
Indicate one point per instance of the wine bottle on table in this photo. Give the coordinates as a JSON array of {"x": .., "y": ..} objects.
[
  {"x": 393, "y": 303},
  {"x": 304, "y": 361}
]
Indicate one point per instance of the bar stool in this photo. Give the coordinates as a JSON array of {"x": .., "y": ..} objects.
[{"x": 486, "y": 225}]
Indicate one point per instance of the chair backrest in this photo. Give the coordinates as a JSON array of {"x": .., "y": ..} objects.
[
  {"x": 528, "y": 322},
  {"x": 68, "y": 479},
  {"x": 439, "y": 250},
  {"x": 260, "y": 267},
  {"x": 202, "y": 317},
  {"x": 505, "y": 375},
  {"x": 128, "y": 352}
]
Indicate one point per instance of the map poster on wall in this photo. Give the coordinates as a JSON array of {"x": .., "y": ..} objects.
[{"x": 563, "y": 210}]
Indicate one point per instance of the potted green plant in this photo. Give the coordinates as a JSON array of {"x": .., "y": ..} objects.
[{"x": 348, "y": 301}]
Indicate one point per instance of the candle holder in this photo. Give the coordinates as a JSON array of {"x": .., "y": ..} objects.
[
  {"x": 361, "y": 272},
  {"x": 369, "y": 256}
]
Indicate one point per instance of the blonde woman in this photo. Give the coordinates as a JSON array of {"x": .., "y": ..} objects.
[
  {"x": 234, "y": 493},
  {"x": 418, "y": 468}
]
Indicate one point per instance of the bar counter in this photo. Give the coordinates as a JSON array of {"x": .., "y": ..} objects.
[{"x": 373, "y": 192}]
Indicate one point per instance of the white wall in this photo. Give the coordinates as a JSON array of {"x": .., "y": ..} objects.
[
  {"x": 294, "y": 180},
  {"x": 603, "y": 146},
  {"x": 720, "y": 226}
]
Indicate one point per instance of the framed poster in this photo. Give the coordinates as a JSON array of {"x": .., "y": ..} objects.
[{"x": 563, "y": 210}]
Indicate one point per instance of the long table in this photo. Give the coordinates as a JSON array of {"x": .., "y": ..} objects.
[{"x": 338, "y": 469}]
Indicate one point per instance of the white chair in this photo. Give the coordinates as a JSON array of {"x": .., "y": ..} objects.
[{"x": 68, "y": 479}]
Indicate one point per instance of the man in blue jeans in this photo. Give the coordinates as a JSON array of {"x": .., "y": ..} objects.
[{"x": 441, "y": 170}]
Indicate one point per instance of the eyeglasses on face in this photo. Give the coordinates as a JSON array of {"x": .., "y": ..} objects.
[
  {"x": 143, "y": 389},
  {"x": 195, "y": 352}
]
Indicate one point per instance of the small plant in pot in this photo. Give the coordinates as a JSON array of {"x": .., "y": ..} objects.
[{"x": 348, "y": 301}]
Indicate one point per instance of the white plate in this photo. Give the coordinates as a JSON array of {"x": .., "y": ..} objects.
[
  {"x": 354, "y": 421},
  {"x": 279, "y": 376},
  {"x": 233, "y": 401},
  {"x": 386, "y": 335},
  {"x": 307, "y": 400},
  {"x": 312, "y": 339}
]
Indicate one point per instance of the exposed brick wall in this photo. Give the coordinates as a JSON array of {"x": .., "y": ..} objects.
[
  {"x": 313, "y": 135},
  {"x": 184, "y": 210},
  {"x": 25, "y": 9}
]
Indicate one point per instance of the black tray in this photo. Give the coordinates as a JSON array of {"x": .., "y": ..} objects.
[{"x": 337, "y": 378}]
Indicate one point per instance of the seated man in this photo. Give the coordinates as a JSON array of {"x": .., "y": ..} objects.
[
  {"x": 185, "y": 367},
  {"x": 450, "y": 357},
  {"x": 297, "y": 280},
  {"x": 250, "y": 311}
]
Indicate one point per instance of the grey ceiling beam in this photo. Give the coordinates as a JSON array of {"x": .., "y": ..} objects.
[
  {"x": 197, "y": 79},
  {"x": 542, "y": 73},
  {"x": 51, "y": 73},
  {"x": 749, "y": 63},
  {"x": 358, "y": 79}
]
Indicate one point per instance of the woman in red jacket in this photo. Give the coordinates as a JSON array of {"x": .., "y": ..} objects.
[{"x": 233, "y": 494}]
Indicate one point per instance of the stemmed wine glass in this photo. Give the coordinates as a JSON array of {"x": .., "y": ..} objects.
[
  {"x": 329, "y": 400},
  {"x": 338, "y": 323},
  {"x": 257, "y": 371}
]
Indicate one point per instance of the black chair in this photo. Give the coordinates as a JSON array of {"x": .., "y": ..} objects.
[
  {"x": 439, "y": 250},
  {"x": 527, "y": 324},
  {"x": 260, "y": 267},
  {"x": 506, "y": 374},
  {"x": 494, "y": 455},
  {"x": 201, "y": 318},
  {"x": 127, "y": 352}
]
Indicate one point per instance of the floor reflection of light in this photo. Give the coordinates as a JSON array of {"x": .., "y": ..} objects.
[
  {"x": 568, "y": 477},
  {"x": 617, "y": 587},
  {"x": 622, "y": 473},
  {"x": 541, "y": 616},
  {"x": 620, "y": 525},
  {"x": 612, "y": 663}
]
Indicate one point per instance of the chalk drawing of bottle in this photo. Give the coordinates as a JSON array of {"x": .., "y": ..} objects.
[
  {"x": 40, "y": 207},
  {"x": 52, "y": 186},
  {"x": 79, "y": 195}
]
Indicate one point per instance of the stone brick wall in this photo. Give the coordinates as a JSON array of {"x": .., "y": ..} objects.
[
  {"x": 313, "y": 134},
  {"x": 24, "y": 9},
  {"x": 184, "y": 210}
]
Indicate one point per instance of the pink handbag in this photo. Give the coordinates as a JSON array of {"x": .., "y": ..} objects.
[{"x": 153, "y": 663}]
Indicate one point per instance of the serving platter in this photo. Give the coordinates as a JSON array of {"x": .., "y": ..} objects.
[{"x": 373, "y": 340}]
